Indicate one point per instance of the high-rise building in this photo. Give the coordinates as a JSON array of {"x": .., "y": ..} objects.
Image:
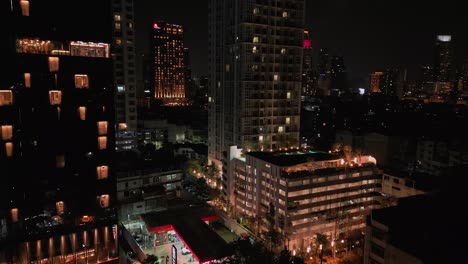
[
  {"x": 169, "y": 68},
  {"x": 308, "y": 78},
  {"x": 323, "y": 69},
  {"x": 255, "y": 68},
  {"x": 375, "y": 77},
  {"x": 389, "y": 82},
  {"x": 443, "y": 58},
  {"x": 124, "y": 75},
  {"x": 427, "y": 79},
  {"x": 338, "y": 74},
  {"x": 57, "y": 133},
  {"x": 188, "y": 73}
]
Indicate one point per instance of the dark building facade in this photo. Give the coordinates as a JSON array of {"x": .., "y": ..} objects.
[
  {"x": 308, "y": 77},
  {"x": 57, "y": 133},
  {"x": 255, "y": 68},
  {"x": 338, "y": 74},
  {"x": 169, "y": 58}
]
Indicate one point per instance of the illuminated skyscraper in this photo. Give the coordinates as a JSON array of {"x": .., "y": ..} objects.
[
  {"x": 375, "y": 81},
  {"x": 255, "y": 67},
  {"x": 308, "y": 78},
  {"x": 443, "y": 58},
  {"x": 125, "y": 75},
  {"x": 169, "y": 67},
  {"x": 57, "y": 133}
]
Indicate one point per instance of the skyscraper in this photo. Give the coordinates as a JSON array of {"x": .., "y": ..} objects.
[
  {"x": 443, "y": 58},
  {"x": 57, "y": 133},
  {"x": 389, "y": 82},
  {"x": 323, "y": 68},
  {"x": 124, "y": 75},
  {"x": 308, "y": 78},
  {"x": 255, "y": 68},
  {"x": 169, "y": 68},
  {"x": 375, "y": 77},
  {"x": 338, "y": 74}
]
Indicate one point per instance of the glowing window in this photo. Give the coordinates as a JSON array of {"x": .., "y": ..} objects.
[
  {"x": 117, "y": 26},
  {"x": 9, "y": 149},
  {"x": 283, "y": 51},
  {"x": 60, "y": 161},
  {"x": 122, "y": 126},
  {"x": 256, "y": 11},
  {"x": 254, "y": 49},
  {"x": 53, "y": 64},
  {"x": 255, "y": 40},
  {"x": 280, "y": 129},
  {"x": 102, "y": 127},
  {"x": 81, "y": 81},
  {"x": 260, "y": 138},
  {"x": 117, "y": 17},
  {"x": 27, "y": 80},
  {"x": 285, "y": 14},
  {"x": 275, "y": 77},
  {"x": 14, "y": 215},
  {"x": 24, "y": 7},
  {"x": 55, "y": 97},
  {"x": 60, "y": 206},
  {"x": 288, "y": 120},
  {"x": 82, "y": 112},
  {"x": 104, "y": 200},
  {"x": 228, "y": 68},
  {"x": 7, "y": 132},
  {"x": 102, "y": 172},
  {"x": 102, "y": 142},
  {"x": 288, "y": 95},
  {"x": 6, "y": 97}
]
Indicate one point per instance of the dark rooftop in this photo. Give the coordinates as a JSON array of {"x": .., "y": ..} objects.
[
  {"x": 205, "y": 243},
  {"x": 426, "y": 227},
  {"x": 293, "y": 157}
]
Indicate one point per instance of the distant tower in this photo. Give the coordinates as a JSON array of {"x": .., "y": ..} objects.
[
  {"x": 443, "y": 58},
  {"x": 337, "y": 74},
  {"x": 374, "y": 78},
  {"x": 169, "y": 57},
  {"x": 323, "y": 69},
  {"x": 308, "y": 77},
  {"x": 389, "y": 82}
]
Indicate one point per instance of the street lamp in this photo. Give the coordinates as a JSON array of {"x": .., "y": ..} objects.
[{"x": 321, "y": 253}]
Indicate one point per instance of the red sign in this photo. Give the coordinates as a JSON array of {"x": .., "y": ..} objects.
[{"x": 307, "y": 43}]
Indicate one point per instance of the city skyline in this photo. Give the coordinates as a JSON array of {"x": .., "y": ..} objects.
[{"x": 371, "y": 36}]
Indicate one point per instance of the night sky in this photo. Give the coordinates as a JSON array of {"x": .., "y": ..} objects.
[{"x": 370, "y": 34}]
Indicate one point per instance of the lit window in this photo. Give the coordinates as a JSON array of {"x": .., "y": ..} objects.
[
  {"x": 9, "y": 149},
  {"x": 81, "y": 81},
  {"x": 280, "y": 129},
  {"x": 60, "y": 206},
  {"x": 82, "y": 112},
  {"x": 288, "y": 120},
  {"x": 6, "y": 97},
  {"x": 102, "y": 142},
  {"x": 102, "y": 172},
  {"x": 14, "y": 215},
  {"x": 24, "y": 7},
  {"x": 27, "y": 80},
  {"x": 122, "y": 126},
  {"x": 254, "y": 49},
  {"x": 104, "y": 200},
  {"x": 260, "y": 138},
  {"x": 7, "y": 132},
  {"x": 53, "y": 64},
  {"x": 288, "y": 95},
  {"x": 275, "y": 77},
  {"x": 55, "y": 97},
  {"x": 228, "y": 68},
  {"x": 117, "y": 17},
  {"x": 285, "y": 14},
  {"x": 102, "y": 127},
  {"x": 117, "y": 26},
  {"x": 118, "y": 41},
  {"x": 283, "y": 51},
  {"x": 255, "y": 40},
  {"x": 256, "y": 11},
  {"x": 60, "y": 161},
  {"x": 120, "y": 88}
]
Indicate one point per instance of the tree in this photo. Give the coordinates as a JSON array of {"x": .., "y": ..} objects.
[
  {"x": 151, "y": 259},
  {"x": 322, "y": 239},
  {"x": 272, "y": 235}
]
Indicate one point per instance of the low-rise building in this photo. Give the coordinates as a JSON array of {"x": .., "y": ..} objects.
[
  {"x": 309, "y": 191},
  {"x": 144, "y": 191}
]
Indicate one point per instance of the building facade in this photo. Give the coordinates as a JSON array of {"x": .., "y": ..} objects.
[
  {"x": 374, "y": 86},
  {"x": 255, "y": 71},
  {"x": 125, "y": 75},
  {"x": 169, "y": 62},
  {"x": 309, "y": 191},
  {"x": 57, "y": 134}
]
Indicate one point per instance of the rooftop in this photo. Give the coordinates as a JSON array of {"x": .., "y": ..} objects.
[
  {"x": 204, "y": 242},
  {"x": 293, "y": 157}
]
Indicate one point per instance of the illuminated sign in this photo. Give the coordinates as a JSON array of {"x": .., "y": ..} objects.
[
  {"x": 444, "y": 38},
  {"x": 307, "y": 43},
  {"x": 174, "y": 255},
  {"x": 156, "y": 26}
]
